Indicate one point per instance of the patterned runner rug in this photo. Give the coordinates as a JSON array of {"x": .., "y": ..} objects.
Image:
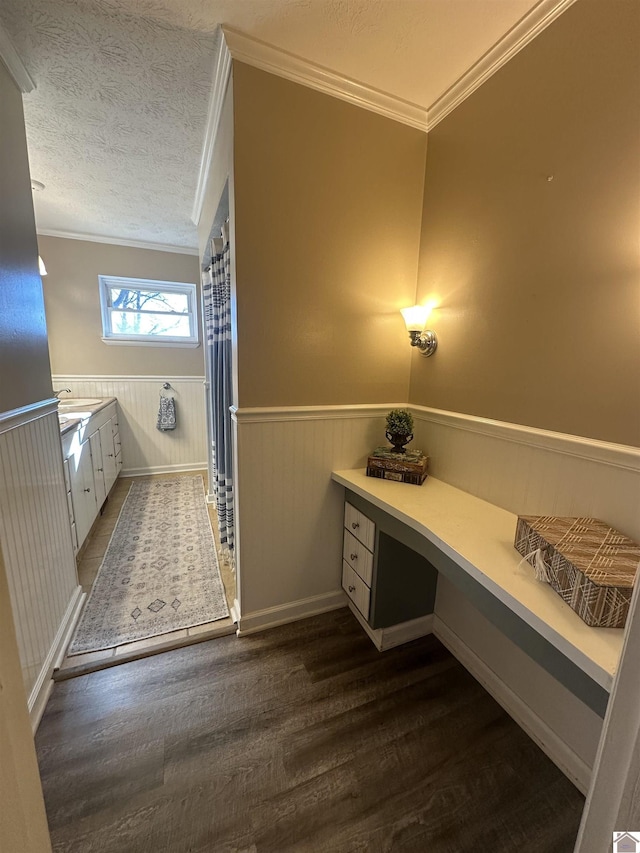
[{"x": 160, "y": 572}]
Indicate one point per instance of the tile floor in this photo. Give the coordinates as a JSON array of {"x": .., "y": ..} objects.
[{"x": 89, "y": 561}]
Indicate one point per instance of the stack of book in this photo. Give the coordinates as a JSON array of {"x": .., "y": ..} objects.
[{"x": 408, "y": 467}]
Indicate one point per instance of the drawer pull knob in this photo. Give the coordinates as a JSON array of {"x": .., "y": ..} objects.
[
  {"x": 355, "y": 525},
  {"x": 354, "y": 556},
  {"x": 87, "y": 490},
  {"x": 352, "y": 589}
]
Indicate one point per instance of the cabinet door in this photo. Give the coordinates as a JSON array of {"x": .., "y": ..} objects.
[
  {"x": 72, "y": 517},
  {"x": 98, "y": 468},
  {"x": 82, "y": 489},
  {"x": 109, "y": 466},
  {"x": 117, "y": 445}
]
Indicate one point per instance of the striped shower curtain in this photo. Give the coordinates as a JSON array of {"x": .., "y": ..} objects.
[{"x": 216, "y": 291}]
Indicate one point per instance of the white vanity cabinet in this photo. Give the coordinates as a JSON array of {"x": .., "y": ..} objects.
[
  {"x": 97, "y": 462},
  {"x": 357, "y": 558},
  {"x": 117, "y": 444},
  {"x": 106, "y": 461},
  {"x": 92, "y": 462},
  {"x": 110, "y": 461},
  {"x": 83, "y": 498},
  {"x": 72, "y": 520},
  {"x": 390, "y": 585}
]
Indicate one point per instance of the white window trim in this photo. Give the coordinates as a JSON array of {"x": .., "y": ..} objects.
[{"x": 108, "y": 337}]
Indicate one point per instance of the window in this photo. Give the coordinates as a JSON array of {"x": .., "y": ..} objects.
[{"x": 138, "y": 311}]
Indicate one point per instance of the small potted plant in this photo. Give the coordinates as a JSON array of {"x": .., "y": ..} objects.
[{"x": 399, "y": 429}]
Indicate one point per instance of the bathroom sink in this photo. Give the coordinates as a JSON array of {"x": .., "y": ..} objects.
[
  {"x": 76, "y": 403},
  {"x": 69, "y": 421}
]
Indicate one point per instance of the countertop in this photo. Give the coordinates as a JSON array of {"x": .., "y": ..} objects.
[
  {"x": 76, "y": 415},
  {"x": 479, "y": 536}
]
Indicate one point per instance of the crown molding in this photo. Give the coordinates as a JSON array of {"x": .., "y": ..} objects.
[
  {"x": 519, "y": 36},
  {"x": 118, "y": 241},
  {"x": 235, "y": 45},
  {"x": 284, "y": 64},
  {"x": 214, "y": 112},
  {"x": 15, "y": 66}
]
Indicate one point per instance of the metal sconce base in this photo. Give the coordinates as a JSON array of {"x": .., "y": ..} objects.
[{"x": 426, "y": 342}]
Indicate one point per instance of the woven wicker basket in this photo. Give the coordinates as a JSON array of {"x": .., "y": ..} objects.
[{"x": 591, "y": 565}]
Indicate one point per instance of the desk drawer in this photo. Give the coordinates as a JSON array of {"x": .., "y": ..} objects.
[
  {"x": 356, "y": 589},
  {"x": 362, "y": 527},
  {"x": 358, "y": 557}
]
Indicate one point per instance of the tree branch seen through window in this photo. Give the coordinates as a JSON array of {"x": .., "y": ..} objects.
[{"x": 166, "y": 311}]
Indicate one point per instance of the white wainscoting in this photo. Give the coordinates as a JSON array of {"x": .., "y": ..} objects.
[
  {"x": 289, "y": 513},
  {"x": 531, "y": 471},
  {"x": 535, "y": 472},
  {"x": 146, "y": 450},
  {"x": 36, "y": 544}
]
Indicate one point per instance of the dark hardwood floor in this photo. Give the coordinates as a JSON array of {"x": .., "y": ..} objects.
[{"x": 302, "y": 738}]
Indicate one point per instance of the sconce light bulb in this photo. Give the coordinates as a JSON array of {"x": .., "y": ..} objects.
[{"x": 416, "y": 317}]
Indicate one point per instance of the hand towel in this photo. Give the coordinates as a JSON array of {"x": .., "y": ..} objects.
[{"x": 166, "y": 414}]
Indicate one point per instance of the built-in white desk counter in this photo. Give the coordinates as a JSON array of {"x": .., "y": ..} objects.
[{"x": 470, "y": 542}]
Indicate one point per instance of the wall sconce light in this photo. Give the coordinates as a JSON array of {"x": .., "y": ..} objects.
[
  {"x": 416, "y": 319},
  {"x": 41, "y": 267}
]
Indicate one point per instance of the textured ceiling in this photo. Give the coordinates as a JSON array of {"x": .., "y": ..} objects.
[{"x": 116, "y": 124}]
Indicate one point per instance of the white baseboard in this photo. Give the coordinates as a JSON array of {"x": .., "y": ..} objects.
[
  {"x": 395, "y": 635},
  {"x": 573, "y": 767},
  {"x": 260, "y": 620},
  {"x": 163, "y": 469},
  {"x": 41, "y": 691}
]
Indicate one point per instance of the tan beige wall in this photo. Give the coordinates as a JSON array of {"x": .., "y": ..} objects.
[
  {"x": 73, "y": 308},
  {"x": 24, "y": 358},
  {"x": 539, "y": 280},
  {"x": 327, "y": 224}
]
